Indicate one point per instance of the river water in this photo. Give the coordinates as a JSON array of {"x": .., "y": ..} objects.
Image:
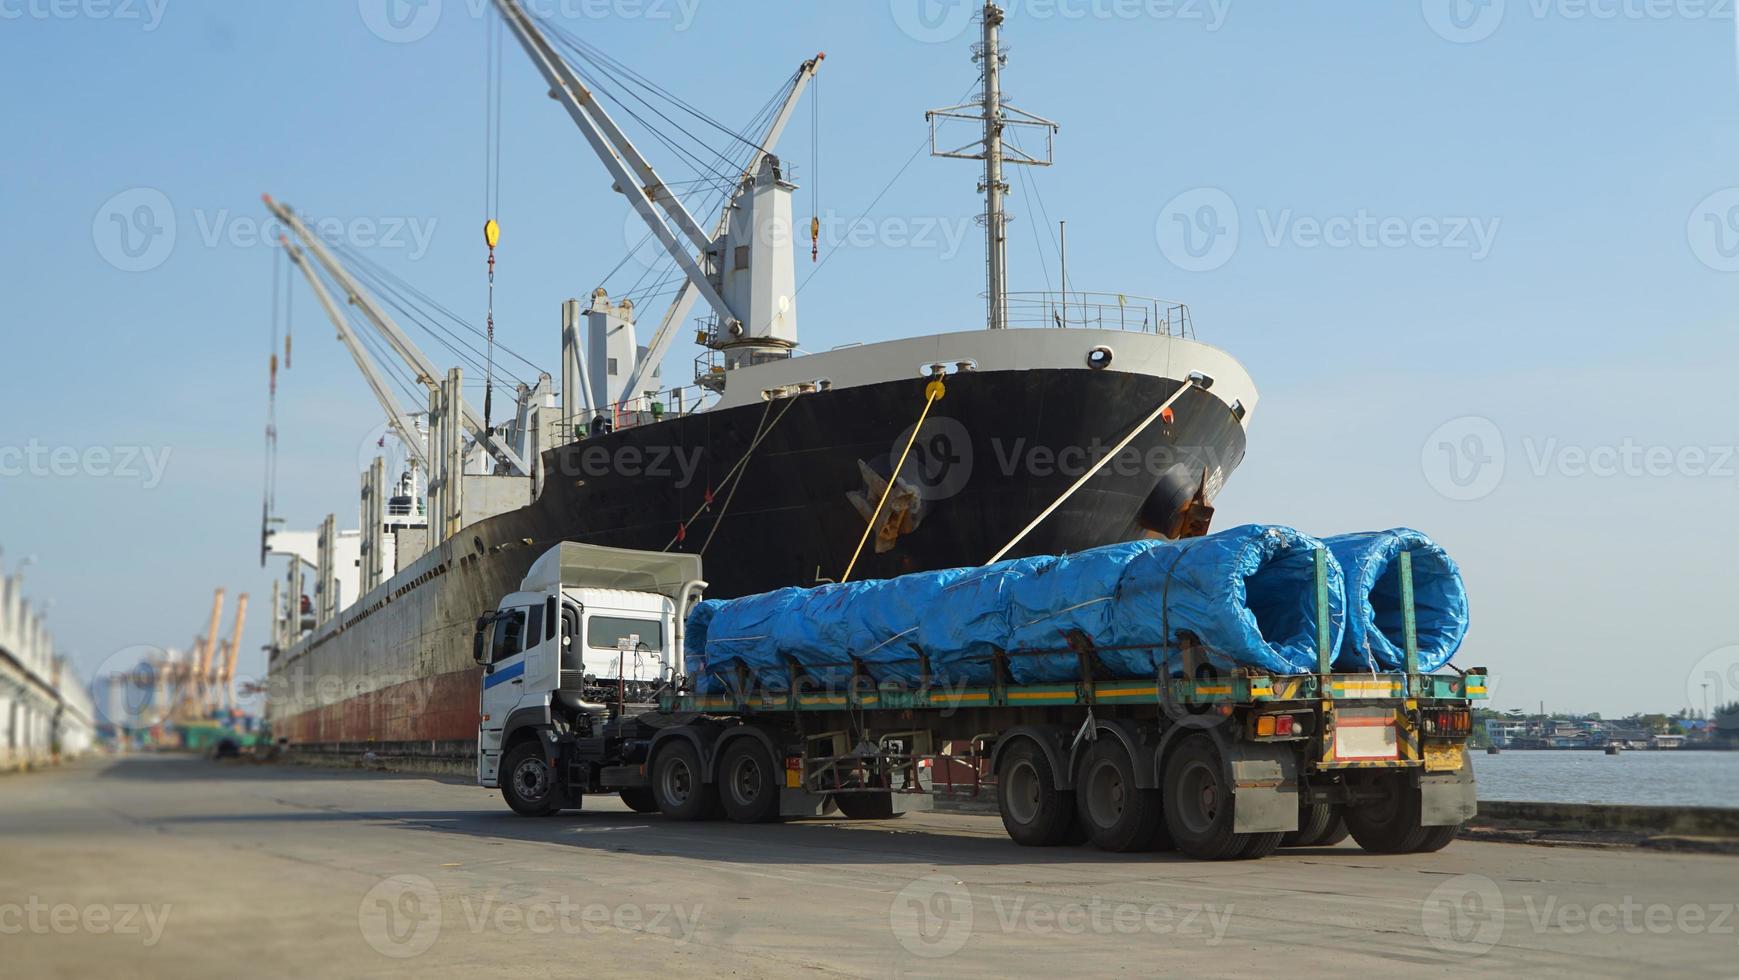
[{"x": 1670, "y": 778}]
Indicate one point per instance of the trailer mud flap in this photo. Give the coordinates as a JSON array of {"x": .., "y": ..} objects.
[
  {"x": 1448, "y": 798},
  {"x": 1265, "y": 788}
]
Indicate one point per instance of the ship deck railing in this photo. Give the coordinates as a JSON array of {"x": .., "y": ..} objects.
[{"x": 1101, "y": 311}]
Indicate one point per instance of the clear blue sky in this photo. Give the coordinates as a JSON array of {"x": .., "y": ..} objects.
[{"x": 1599, "y": 313}]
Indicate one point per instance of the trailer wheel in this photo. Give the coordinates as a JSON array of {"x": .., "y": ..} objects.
[
  {"x": 1390, "y": 823},
  {"x": 1437, "y": 838},
  {"x": 530, "y": 787},
  {"x": 678, "y": 786},
  {"x": 1337, "y": 831},
  {"x": 866, "y": 806},
  {"x": 1198, "y": 806},
  {"x": 1316, "y": 821},
  {"x": 1115, "y": 814},
  {"x": 1034, "y": 812},
  {"x": 640, "y": 799},
  {"x": 749, "y": 782}
]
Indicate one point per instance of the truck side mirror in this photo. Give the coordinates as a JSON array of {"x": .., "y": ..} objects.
[{"x": 479, "y": 650}]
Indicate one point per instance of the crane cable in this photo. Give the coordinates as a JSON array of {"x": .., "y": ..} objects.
[
  {"x": 815, "y": 170},
  {"x": 491, "y": 193},
  {"x": 933, "y": 393}
]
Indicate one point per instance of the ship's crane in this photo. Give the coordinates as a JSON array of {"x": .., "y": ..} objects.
[
  {"x": 424, "y": 369},
  {"x": 401, "y": 423},
  {"x": 195, "y": 691},
  {"x": 755, "y": 309}
]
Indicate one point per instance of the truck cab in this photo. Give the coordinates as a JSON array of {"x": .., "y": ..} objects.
[{"x": 584, "y": 646}]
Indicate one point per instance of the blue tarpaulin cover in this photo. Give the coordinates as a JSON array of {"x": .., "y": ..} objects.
[
  {"x": 1375, "y": 634},
  {"x": 1247, "y": 594}
]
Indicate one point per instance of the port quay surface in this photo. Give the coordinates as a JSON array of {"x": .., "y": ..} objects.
[{"x": 277, "y": 870}]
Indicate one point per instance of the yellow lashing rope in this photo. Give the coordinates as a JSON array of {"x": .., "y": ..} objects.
[{"x": 933, "y": 393}]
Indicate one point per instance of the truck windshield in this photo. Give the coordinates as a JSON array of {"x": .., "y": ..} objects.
[{"x": 607, "y": 632}]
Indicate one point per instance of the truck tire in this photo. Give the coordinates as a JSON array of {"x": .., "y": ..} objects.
[
  {"x": 1198, "y": 806},
  {"x": 1337, "y": 831},
  {"x": 749, "y": 782},
  {"x": 528, "y": 785},
  {"x": 1034, "y": 812},
  {"x": 640, "y": 799},
  {"x": 867, "y": 806},
  {"x": 1315, "y": 822},
  {"x": 1116, "y": 815},
  {"x": 1389, "y": 825},
  {"x": 678, "y": 784},
  {"x": 1437, "y": 838}
]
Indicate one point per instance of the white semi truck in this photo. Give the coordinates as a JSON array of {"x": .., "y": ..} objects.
[{"x": 583, "y": 694}]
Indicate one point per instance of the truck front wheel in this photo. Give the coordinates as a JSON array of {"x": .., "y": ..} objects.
[
  {"x": 749, "y": 783},
  {"x": 530, "y": 787},
  {"x": 1034, "y": 812},
  {"x": 678, "y": 786}
]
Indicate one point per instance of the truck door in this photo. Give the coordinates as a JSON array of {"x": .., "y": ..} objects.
[{"x": 504, "y": 646}]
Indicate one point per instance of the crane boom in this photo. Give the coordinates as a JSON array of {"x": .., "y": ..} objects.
[
  {"x": 635, "y": 176},
  {"x": 226, "y": 678},
  {"x": 395, "y": 415},
  {"x": 202, "y": 666},
  {"x": 427, "y": 374},
  {"x": 685, "y": 295}
]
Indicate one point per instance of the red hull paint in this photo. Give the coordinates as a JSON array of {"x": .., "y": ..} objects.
[{"x": 442, "y": 708}]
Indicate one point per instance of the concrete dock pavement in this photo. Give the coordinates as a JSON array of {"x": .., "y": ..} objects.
[{"x": 175, "y": 866}]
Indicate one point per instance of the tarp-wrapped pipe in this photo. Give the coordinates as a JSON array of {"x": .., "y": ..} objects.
[
  {"x": 1247, "y": 595},
  {"x": 1375, "y": 635}
]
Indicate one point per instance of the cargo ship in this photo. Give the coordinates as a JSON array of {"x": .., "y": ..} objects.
[{"x": 1063, "y": 422}]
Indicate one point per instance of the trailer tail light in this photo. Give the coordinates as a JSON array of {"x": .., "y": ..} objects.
[
  {"x": 793, "y": 772},
  {"x": 1279, "y": 726},
  {"x": 1447, "y": 722}
]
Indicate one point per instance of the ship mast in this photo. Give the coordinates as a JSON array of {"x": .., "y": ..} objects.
[{"x": 996, "y": 119}]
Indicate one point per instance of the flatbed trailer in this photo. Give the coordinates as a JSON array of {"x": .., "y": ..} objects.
[{"x": 1216, "y": 764}]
